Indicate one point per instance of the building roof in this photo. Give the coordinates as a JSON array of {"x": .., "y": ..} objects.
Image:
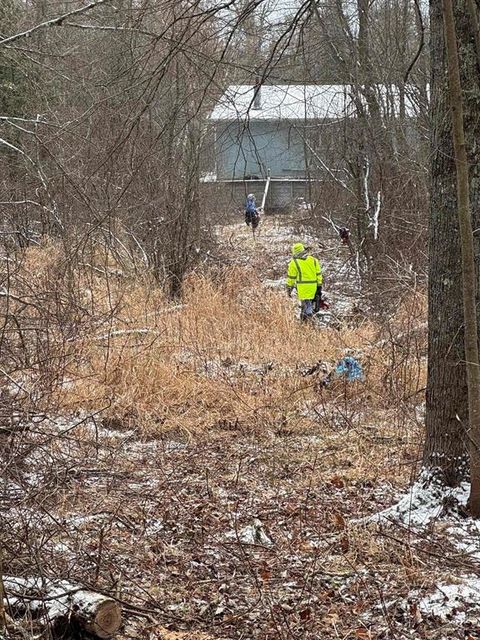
[{"x": 302, "y": 102}]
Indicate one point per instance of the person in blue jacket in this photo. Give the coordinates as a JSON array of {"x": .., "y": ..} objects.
[{"x": 251, "y": 212}]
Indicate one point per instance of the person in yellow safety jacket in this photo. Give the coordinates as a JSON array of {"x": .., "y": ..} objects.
[{"x": 305, "y": 274}]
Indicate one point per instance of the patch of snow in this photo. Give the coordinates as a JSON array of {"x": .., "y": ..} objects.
[
  {"x": 60, "y": 604},
  {"x": 21, "y": 585},
  {"x": 61, "y": 547},
  {"x": 58, "y": 595},
  {"x": 251, "y": 534},
  {"x": 451, "y": 602},
  {"x": 210, "y": 176},
  {"x": 465, "y": 536},
  {"x": 154, "y": 527},
  {"x": 279, "y": 283},
  {"x": 81, "y": 519},
  {"x": 423, "y": 504},
  {"x": 175, "y": 445}
]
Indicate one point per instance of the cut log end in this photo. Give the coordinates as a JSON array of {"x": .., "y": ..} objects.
[{"x": 103, "y": 619}]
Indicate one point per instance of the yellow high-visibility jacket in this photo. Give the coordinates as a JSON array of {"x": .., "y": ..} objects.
[{"x": 305, "y": 274}]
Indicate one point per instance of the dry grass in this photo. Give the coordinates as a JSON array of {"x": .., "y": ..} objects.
[{"x": 231, "y": 354}]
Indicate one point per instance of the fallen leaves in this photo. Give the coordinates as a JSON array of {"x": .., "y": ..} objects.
[
  {"x": 339, "y": 520},
  {"x": 363, "y": 634}
]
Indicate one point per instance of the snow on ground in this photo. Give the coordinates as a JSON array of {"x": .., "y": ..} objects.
[
  {"x": 423, "y": 504},
  {"x": 455, "y": 601},
  {"x": 251, "y": 534},
  {"x": 430, "y": 506},
  {"x": 465, "y": 536},
  {"x": 278, "y": 283},
  {"x": 428, "y": 510}
]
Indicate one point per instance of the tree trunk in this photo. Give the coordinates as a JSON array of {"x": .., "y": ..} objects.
[
  {"x": 468, "y": 260},
  {"x": 447, "y": 400}
]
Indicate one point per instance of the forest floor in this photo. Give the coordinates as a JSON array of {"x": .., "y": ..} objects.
[{"x": 204, "y": 475}]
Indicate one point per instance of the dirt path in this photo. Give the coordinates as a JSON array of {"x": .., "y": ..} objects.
[{"x": 269, "y": 251}]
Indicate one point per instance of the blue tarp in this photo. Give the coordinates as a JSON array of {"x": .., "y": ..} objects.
[{"x": 349, "y": 368}]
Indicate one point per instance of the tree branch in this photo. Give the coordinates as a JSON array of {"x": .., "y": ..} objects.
[
  {"x": 54, "y": 22},
  {"x": 94, "y": 27},
  {"x": 420, "y": 44}
]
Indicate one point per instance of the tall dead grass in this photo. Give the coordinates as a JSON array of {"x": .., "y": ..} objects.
[{"x": 231, "y": 355}]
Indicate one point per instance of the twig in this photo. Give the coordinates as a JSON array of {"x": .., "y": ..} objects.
[{"x": 54, "y": 22}]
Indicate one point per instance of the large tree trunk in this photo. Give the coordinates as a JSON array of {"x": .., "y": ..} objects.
[
  {"x": 469, "y": 275},
  {"x": 447, "y": 403}
]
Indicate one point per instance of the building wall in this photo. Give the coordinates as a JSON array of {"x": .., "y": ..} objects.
[
  {"x": 231, "y": 195},
  {"x": 255, "y": 148}
]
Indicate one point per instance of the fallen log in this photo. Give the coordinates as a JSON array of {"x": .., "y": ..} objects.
[
  {"x": 99, "y": 615},
  {"x": 62, "y": 605}
]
